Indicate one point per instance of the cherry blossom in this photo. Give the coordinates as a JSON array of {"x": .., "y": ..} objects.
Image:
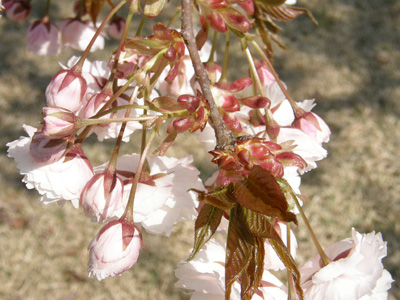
[
  {"x": 114, "y": 250},
  {"x": 58, "y": 181},
  {"x": 43, "y": 38},
  {"x": 356, "y": 270}
]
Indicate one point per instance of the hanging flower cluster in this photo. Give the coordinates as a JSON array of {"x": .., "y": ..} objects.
[{"x": 259, "y": 137}]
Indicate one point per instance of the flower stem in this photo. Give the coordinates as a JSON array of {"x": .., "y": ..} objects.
[
  {"x": 325, "y": 259},
  {"x": 80, "y": 62},
  {"x": 296, "y": 109},
  {"x": 225, "y": 62},
  {"x": 86, "y": 122},
  {"x": 128, "y": 214}
]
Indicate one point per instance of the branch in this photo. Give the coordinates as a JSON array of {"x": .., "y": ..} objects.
[{"x": 224, "y": 138}]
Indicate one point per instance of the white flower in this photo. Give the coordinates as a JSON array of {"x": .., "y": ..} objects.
[
  {"x": 356, "y": 271},
  {"x": 205, "y": 275},
  {"x": 56, "y": 181},
  {"x": 163, "y": 200},
  {"x": 77, "y": 35}
]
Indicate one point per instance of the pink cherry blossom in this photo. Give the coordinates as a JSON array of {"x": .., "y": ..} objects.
[
  {"x": 43, "y": 38},
  {"x": 114, "y": 250},
  {"x": 356, "y": 271},
  {"x": 77, "y": 35},
  {"x": 205, "y": 275},
  {"x": 58, "y": 122},
  {"x": 101, "y": 198},
  {"x": 67, "y": 90},
  {"x": 57, "y": 181},
  {"x": 163, "y": 200},
  {"x": 17, "y": 10},
  {"x": 116, "y": 27}
]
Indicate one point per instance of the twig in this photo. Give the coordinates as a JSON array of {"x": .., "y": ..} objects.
[{"x": 224, "y": 138}]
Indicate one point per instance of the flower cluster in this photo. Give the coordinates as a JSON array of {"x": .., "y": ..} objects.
[{"x": 170, "y": 83}]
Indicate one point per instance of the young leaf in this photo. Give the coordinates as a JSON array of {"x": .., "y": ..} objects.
[
  {"x": 94, "y": 7},
  {"x": 223, "y": 198},
  {"x": 261, "y": 193},
  {"x": 251, "y": 278},
  {"x": 206, "y": 224},
  {"x": 260, "y": 226},
  {"x": 239, "y": 250}
]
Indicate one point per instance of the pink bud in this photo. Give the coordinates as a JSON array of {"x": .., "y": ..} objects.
[
  {"x": 102, "y": 196},
  {"x": 17, "y": 10},
  {"x": 66, "y": 89},
  {"x": 314, "y": 126},
  {"x": 116, "y": 28},
  {"x": 45, "y": 150},
  {"x": 114, "y": 250},
  {"x": 264, "y": 73},
  {"x": 43, "y": 38},
  {"x": 58, "y": 122}
]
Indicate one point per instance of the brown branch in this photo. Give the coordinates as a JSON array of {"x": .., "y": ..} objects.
[{"x": 224, "y": 137}]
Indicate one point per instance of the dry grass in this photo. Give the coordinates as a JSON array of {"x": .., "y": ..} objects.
[{"x": 350, "y": 63}]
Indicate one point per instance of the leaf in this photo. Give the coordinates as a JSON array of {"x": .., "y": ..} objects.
[
  {"x": 252, "y": 277},
  {"x": 152, "y": 8},
  {"x": 261, "y": 193},
  {"x": 260, "y": 226},
  {"x": 284, "y": 255},
  {"x": 167, "y": 104},
  {"x": 239, "y": 249},
  {"x": 285, "y": 13},
  {"x": 222, "y": 198},
  {"x": 168, "y": 141},
  {"x": 94, "y": 7},
  {"x": 206, "y": 224},
  {"x": 273, "y": 2}
]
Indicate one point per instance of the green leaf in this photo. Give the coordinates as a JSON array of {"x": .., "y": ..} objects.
[
  {"x": 206, "y": 224},
  {"x": 239, "y": 250},
  {"x": 152, "y": 8},
  {"x": 223, "y": 198},
  {"x": 261, "y": 193}
]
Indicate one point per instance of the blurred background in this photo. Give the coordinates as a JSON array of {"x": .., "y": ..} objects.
[{"x": 350, "y": 63}]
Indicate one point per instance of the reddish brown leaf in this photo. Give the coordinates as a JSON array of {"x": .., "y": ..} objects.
[
  {"x": 251, "y": 278},
  {"x": 261, "y": 227},
  {"x": 273, "y": 2},
  {"x": 167, "y": 104},
  {"x": 222, "y": 198},
  {"x": 261, "y": 193},
  {"x": 206, "y": 224},
  {"x": 239, "y": 250},
  {"x": 93, "y": 7},
  {"x": 285, "y": 13}
]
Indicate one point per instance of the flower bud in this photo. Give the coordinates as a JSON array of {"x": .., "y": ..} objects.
[
  {"x": 101, "y": 197},
  {"x": 114, "y": 250},
  {"x": 43, "y": 38},
  {"x": 45, "y": 150},
  {"x": 314, "y": 126},
  {"x": 17, "y": 10},
  {"x": 66, "y": 89},
  {"x": 116, "y": 28},
  {"x": 58, "y": 122}
]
